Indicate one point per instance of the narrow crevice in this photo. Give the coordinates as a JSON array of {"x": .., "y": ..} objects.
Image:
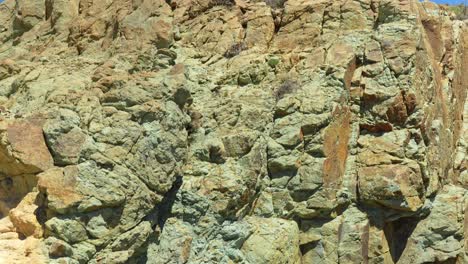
[
  {"x": 165, "y": 208},
  {"x": 173, "y": 5},
  {"x": 325, "y": 14},
  {"x": 278, "y": 19},
  {"x": 358, "y": 193},
  {"x": 48, "y": 9},
  {"x": 252, "y": 203},
  {"x": 115, "y": 29}
]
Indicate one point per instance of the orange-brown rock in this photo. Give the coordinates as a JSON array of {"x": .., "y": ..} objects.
[
  {"x": 23, "y": 149},
  {"x": 24, "y": 217},
  {"x": 59, "y": 185}
]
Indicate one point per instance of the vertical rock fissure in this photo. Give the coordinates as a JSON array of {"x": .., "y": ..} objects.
[
  {"x": 397, "y": 234},
  {"x": 165, "y": 208}
]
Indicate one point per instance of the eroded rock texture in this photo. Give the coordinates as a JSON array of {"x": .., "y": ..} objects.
[{"x": 222, "y": 131}]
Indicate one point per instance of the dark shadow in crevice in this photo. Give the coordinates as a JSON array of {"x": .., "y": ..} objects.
[
  {"x": 308, "y": 247},
  {"x": 165, "y": 208},
  {"x": 448, "y": 261},
  {"x": 398, "y": 233}
]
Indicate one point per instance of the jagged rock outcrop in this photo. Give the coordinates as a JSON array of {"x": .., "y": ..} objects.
[{"x": 233, "y": 131}]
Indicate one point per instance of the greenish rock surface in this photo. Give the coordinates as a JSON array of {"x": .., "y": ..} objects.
[{"x": 244, "y": 131}]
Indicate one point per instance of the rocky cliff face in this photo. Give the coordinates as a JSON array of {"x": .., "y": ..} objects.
[{"x": 219, "y": 131}]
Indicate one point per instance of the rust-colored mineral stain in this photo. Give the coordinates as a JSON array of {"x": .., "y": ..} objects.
[
  {"x": 186, "y": 247},
  {"x": 352, "y": 65},
  {"x": 179, "y": 68},
  {"x": 336, "y": 140},
  {"x": 397, "y": 112},
  {"x": 376, "y": 128},
  {"x": 432, "y": 29},
  {"x": 365, "y": 244},
  {"x": 60, "y": 183},
  {"x": 28, "y": 143}
]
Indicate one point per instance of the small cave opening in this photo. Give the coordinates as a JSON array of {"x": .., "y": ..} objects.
[{"x": 397, "y": 233}]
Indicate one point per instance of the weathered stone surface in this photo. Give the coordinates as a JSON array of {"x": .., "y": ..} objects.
[
  {"x": 28, "y": 14},
  {"x": 272, "y": 241},
  {"x": 23, "y": 149},
  {"x": 395, "y": 186},
  {"x": 24, "y": 217},
  {"x": 59, "y": 186},
  {"x": 28, "y": 250},
  {"x": 7, "y": 69},
  {"x": 245, "y": 131},
  {"x": 439, "y": 237}
]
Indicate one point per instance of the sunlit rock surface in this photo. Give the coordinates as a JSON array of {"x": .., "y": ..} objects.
[{"x": 233, "y": 131}]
